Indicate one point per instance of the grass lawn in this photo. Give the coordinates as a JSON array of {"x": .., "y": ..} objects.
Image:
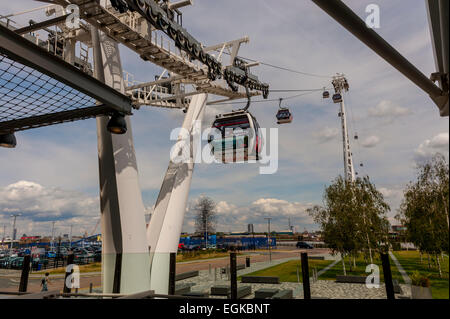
[
  {"x": 201, "y": 255},
  {"x": 410, "y": 261},
  {"x": 94, "y": 267},
  {"x": 360, "y": 269},
  {"x": 287, "y": 272}
]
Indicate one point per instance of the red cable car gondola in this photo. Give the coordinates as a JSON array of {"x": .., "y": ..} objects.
[
  {"x": 239, "y": 137},
  {"x": 284, "y": 116},
  {"x": 337, "y": 98}
]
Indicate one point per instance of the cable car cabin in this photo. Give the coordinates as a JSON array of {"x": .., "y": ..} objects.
[
  {"x": 284, "y": 116},
  {"x": 337, "y": 98},
  {"x": 326, "y": 95},
  {"x": 238, "y": 139}
]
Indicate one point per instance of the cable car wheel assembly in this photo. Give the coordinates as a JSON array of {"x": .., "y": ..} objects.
[{"x": 160, "y": 16}]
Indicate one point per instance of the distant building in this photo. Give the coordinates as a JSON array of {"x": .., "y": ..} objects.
[
  {"x": 398, "y": 228},
  {"x": 397, "y": 232},
  {"x": 285, "y": 232}
]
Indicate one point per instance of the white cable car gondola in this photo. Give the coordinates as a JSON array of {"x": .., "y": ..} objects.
[
  {"x": 239, "y": 137},
  {"x": 284, "y": 116},
  {"x": 337, "y": 98}
]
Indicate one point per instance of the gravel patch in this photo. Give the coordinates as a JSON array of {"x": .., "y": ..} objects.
[{"x": 326, "y": 289}]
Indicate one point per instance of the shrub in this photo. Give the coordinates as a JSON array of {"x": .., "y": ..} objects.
[
  {"x": 417, "y": 279},
  {"x": 396, "y": 246}
]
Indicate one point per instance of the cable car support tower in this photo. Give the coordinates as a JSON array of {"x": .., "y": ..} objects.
[{"x": 340, "y": 85}]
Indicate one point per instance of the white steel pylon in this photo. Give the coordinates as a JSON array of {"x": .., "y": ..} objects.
[
  {"x": 340, "y": 85},
  {"x": 164, "y": 229},
  {"x": 125, "y": 255}
]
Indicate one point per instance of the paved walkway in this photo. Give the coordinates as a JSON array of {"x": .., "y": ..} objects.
[
  {"x": 322, "y": 271},
  {"x": 405, "y": 276},
  {"x": 320, "y": 289}
]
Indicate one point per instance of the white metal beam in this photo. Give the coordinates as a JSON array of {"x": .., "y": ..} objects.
[
  {"x": 226, "y": 44},
  {"x": 163, "y": 231}
]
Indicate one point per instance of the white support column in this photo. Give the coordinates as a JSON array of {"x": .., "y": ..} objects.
[
  {"x": 348, "y": 158},
  {"x": 164, "y": 229},
  {"x": 125, "y": 254}
]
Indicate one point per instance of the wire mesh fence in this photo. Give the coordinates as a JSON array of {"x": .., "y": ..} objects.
[{"x": 29, "y": 98}]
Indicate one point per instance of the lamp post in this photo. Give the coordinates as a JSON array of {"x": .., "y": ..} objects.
[
  {"x": 13, "y": 237},
  {"x": 268, "y": 237},
  {"x": 70, "y": 237},
  {"x": 53, "y": 235}
]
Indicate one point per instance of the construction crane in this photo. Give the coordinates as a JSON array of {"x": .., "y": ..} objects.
[{"x": 95, "y": 228}]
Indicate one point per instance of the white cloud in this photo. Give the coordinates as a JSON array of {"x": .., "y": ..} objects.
[
  {"x": 231, "y": 217},
  {"x": 393, "y": 195},
  {"x": 370, "y": 141},
  {"x": 437, "y": 144},
  {"x": 224, "y": 208},
  {"x": 40, "y": 205},
  {"x": 388, "y": 109},
  {"x": 390, "y": 192},
  {"x": 326, "y": 134}
]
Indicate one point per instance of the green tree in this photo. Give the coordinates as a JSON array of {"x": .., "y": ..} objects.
[
  {"x": 424, "y": 209},
  {"x": 205, "y": 216},
  {"x": 372, "y": 208},
  {"x": 352, "y": 218}
]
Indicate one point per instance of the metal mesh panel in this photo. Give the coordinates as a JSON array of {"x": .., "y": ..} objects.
[{"x": 29, "y": 98}]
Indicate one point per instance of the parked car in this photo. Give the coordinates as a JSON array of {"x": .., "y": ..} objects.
[
  {"x": 303, "y": 245},
  {"x": 83, "y": 256},
  {"x": 82, "y": 252},
  {"x": 191, "y": 247},
  {"x": 4, "y": 262},
  {"x": 98, "y": 255},
  {"x": 17, "y": 263},
  {"x": 61, "y": 252},
  {"x": 50, "y": 254}
]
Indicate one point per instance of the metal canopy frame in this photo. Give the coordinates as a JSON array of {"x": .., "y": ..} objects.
[
  {"x": 438, "y": 17},
  {"x": 21, "y": 50},
  {"x": 54, "y": 118},
  {"x": 41, "y": 25}
]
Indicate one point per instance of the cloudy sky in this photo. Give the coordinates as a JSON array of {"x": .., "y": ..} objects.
[{"x": 53, "y": 172}]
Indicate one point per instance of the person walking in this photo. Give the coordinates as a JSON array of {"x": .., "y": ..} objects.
[{"x": 45, "y": 282}]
